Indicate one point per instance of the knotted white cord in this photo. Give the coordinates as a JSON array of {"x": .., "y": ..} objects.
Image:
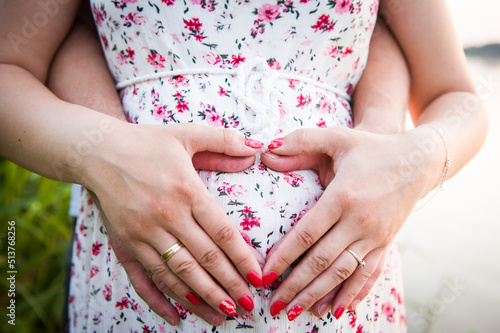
[{"x": 265, "y": 119}]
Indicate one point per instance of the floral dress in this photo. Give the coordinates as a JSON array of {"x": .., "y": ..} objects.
[{"x": 262, "y": 69}]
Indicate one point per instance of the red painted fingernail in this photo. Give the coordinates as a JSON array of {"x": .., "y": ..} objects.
[
  {"x": 193, "y": 298},
  {"x": 253, "y": 143},
  {"x": 269, "y": 278},
  {"x": 277, "y": 307},
  {"x": 254, "y": 279},
  {"x": 228, "y": 308},
  {"x": 339, "y": 312},
  {"x": 294, "y": 312},
  {"x": 246, "y": 303},
  {"x": 276, "y": 143}
]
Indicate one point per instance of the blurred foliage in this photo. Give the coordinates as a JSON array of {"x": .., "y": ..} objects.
[{"x": 39, "y": 207}]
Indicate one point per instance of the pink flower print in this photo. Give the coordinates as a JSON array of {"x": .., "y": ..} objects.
[
  {"x": 156, "y": 60},
  {"x": 274, "y": 64},
  {"x": 293, "y": 179},
  {"x": 350, "y": 88},
  {"x": 123, "y": 304},
  {"x": 293, "y": 83},
  {"x": 246, "y": 211},
  {"x": 212, "y": 58},
  {"x": 178, "y": 81},
  {"x": 193, "y": 24},
  {"x": 354, "y": 317},
  {"x": 105, "y": 42},
  {"x": 182, "y": 106},
  {"x": 268, "y": 12},
  {"x": 145, "y": 329},
  {"x": 99, "y": 14},
  {"x": 130, "y": 53},
  {"x": 374, "y": 8},
  {"x": 249, "y": 222},
  {"x": 107, "y": 292},
  {"x": 159, "y": 112},
  {"x": 343, "y": 6},
  {"x": 323, "y": 24},
  {"x": 235, "y": 190},
  {"x": 223, "y": 92},
  {"x": 237, "y": 59},
  {"x": 321, "y": 123},
  {"x": 359, "y": 329},
  {"x": 196, "y": 2},
  {"x": 388, "y": 311},
  {"x": 214, "y": 119},
  {"x": 168, "y": 2},
  {"x": 355, "y": 65},
  {"x": 198, "y": 37},
  {"x": 324, "y": 105},
  {"x": 246, "y": 238},
  {"x": 303, "y": 100},
  {"x": 96, "y": 248},
  {"x": 258, "y": 28},
  {"x": 348, "y": 50},
  {"x": 134, "y": 18},
  {"x": 93, "y": 270}
]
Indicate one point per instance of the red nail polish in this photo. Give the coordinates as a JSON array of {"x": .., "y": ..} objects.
[
  {"x": 254, "y": 279},
  {"x": 294, "y": 312},
  {"x": 269, "y": 278},
  {"x": 228, "y": 308},
  {"x": 246, "y": 303},
  {"x": 276, "y": 143},
  {"x": 193, "y": 298},
  {"x": 277, "y": 307},
  {"x": 253, "y": 143},
  {"x": 339, "y": 312}
]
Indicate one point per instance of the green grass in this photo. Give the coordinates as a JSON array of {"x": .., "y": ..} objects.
[{"x": 39, "y": 207}]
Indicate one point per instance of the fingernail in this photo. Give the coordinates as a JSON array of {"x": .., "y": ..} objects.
[
  {"x": 269, "y": 278},
  {"x": 215, "y": 320},
  {"x": 355, "y": 304},
  {"x": 339, "y": 312},
  {"x": 294, "y": 312},
  {"x": 193, "y": 298},
  {"x": 323, "y": 309},
  {"x": 253, "y": 143},
  {"x": 246, "y": 303},
  {"x": 254, "y": 279},
  {"x": 277, "y": 307},
  {"x": 228, "y": 308},
  {"x": 170, "y": 321},
  {"x": 276, "y": 143}
]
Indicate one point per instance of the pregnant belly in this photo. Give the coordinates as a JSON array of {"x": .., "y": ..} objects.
[{"x": 263, "y": 204}]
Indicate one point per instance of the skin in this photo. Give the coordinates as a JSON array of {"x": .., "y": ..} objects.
[
  {"x": 366, "y": 204},
  {"x": 79, "y": 75},
  {"x": 45, "y": 146}
]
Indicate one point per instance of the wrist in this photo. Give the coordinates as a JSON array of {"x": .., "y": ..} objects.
[{"x": 430, "y": 150}]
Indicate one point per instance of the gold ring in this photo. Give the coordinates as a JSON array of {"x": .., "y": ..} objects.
[
  {"x": 361, "y": 263},
  {"x": 171, "y": 251},
  {"x": 150, "y": 273}
]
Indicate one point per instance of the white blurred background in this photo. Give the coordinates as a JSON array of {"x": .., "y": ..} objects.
[{"x": 451, "y": 247}]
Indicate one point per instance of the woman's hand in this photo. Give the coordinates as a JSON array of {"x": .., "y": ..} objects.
[
  {"x": 144, "y": 179},
  {"x": 373, "y": 182}
]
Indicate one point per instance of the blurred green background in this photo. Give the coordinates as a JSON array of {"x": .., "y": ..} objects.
[{"x": 39, "y": 207}]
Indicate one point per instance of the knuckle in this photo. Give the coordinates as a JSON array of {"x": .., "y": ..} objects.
[
  {"x": 210, "y": 259},
  {"x": 306, "y": 238},
  {"x": 318, "y": 264},
  {"x": 210, "y": 295},
  {"x": 185, "y": 269},
  {"x": 312, "y": 296},
  {"x": 363, "y": 275},
  {"x": 233, "y": 285},
  {"x": 160, "y": 270},
  {"x": 348, "y": 197},
  {"x": 224, "y": 235},
  {"x": 349, "y": 294},
  {"x": 340, "y": 274},
  {"x": 291, "y": 289},
  {"x": 283, "y": 261},
  {"x": 228, "y": 137}
]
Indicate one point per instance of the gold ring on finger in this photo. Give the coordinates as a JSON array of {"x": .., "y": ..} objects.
[
  {"x": 360, "y": 261},
  {"x": 171, "y": 251}
]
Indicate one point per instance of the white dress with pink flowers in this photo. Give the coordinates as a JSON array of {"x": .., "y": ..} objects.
[{"x": 261, "y": 69}]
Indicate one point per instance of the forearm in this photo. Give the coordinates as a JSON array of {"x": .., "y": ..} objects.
[
  {"x": 381, "y": 96},
  {"x": 44, "y": 134},
  {"x": 79, "y": 74}
]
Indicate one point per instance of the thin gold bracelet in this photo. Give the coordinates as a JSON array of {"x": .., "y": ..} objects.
[{"x": 446, "y": 168}]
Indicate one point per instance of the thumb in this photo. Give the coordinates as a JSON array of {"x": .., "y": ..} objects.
[
  {"x": 219, "y": 162},
  {"x": 198, "y": 138},
  {"x": 312, "y": 141}
]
